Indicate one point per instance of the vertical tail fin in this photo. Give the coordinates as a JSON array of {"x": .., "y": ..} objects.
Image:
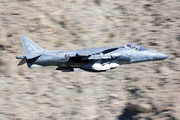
[{"x": 29, "y": 46}]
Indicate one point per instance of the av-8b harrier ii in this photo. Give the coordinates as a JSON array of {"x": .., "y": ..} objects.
[{"x": 92, "y": 59}]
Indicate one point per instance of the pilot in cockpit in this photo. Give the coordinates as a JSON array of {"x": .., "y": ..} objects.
[
  {"x": 134, "y": 46},
  {"x": 137, "y": 47}
]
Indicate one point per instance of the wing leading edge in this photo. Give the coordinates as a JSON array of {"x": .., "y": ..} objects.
[{"x": 91, "y": 51}]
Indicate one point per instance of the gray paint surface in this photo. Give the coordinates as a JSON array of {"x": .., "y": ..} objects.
[{"x": 92, "y": 59}]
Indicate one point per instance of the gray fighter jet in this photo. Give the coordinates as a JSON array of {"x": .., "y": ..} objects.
[{"x": 92, "y": 59}]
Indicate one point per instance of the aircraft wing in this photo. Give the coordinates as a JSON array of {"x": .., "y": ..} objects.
[{"x": 91, "y": 51}]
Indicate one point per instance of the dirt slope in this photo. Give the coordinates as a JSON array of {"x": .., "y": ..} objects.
[{"x": 142, "y": 91}]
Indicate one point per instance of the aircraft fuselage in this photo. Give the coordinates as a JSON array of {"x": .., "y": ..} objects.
[{"x": 92, "y": 59}]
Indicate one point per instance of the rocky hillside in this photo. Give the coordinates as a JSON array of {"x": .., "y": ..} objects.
[{"x": 142, "y": 91}]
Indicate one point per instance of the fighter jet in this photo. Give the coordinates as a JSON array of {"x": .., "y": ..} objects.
[{"x": 92, "y": 59}]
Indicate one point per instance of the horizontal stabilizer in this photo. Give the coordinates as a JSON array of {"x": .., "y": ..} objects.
[{"x": 23, "y": 61}]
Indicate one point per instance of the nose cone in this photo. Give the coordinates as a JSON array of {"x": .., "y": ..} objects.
[
  {"x": 161, "y": 56},
  {"x": 157, "y": 55}
]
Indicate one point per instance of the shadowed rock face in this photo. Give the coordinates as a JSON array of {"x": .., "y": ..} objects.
[{"x": 131, "y": 92}]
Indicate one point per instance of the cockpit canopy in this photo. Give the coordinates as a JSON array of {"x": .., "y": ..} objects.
[{"x": 134, "y": 46}]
